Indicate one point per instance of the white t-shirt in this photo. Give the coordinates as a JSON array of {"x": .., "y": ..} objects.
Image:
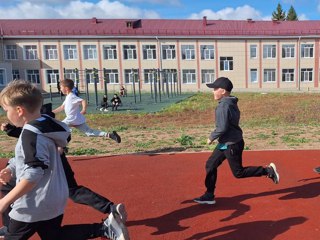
[{"x": 72, "y": 105}]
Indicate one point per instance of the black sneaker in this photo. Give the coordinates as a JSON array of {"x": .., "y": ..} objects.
[
  {"x": 207, "y": 198},
  {"x": 114, "y": 136},
  {"x": 272, "y": 173}
]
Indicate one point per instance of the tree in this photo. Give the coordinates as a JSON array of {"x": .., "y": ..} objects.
[
  {"x": 292, "y": 15},
  {"x": 279, "y": 14}
]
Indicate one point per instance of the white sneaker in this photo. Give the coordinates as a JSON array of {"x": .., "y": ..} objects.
[
  {"x": 106, "y": 110},
  {"x": 113, "y": 228},
  {"x": 101, "y": 109},
  {"x": 273, "y": 174}
]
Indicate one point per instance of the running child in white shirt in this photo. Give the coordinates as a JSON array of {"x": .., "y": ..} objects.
[{"x": 75, "y": 117}]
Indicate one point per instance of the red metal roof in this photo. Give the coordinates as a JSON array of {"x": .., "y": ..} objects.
[{"x": 155, "y": 27}]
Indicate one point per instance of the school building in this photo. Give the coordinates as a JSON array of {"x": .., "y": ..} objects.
[{"x": 255, "y": 55}]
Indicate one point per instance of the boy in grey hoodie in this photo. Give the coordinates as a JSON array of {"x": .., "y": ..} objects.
[
  {"x": 38, "y": 200},
  {"x": 230, "y": 142}
]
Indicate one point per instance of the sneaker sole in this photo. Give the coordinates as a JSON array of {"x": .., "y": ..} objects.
[
  {"x": 205, "y": 202},
  {"x": 121, "y": 211},
  {"x": 276, "y": 181}
]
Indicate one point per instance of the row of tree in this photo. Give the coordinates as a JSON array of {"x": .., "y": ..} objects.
[{"x": 280, "y": 15}]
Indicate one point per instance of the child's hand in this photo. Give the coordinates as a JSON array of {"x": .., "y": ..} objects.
[
  {"x": 5, "y": 176},
  {"x": 4, "y": 126},
  {"x": 83, "y": 112},
  {"x": 209, "y": 141}
]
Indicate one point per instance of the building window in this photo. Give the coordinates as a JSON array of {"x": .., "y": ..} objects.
[
  {"x": 71, "y": 74},
  {"x": 52, "y": 76},
  {"x": 33, "y": 76},
  {"x": 50, "y": 52},
  {"x": 226, "y": 63},
  {"x": 30, "y": 52},
  {"x": 269, "y": 51},
  {"x": 187, "y": 52},
  {"x": 253, "y": 75},
  {"x": 287, "y": 75},
  {"x": 130, "y": 75},
  {"x": 207, "y": 75},
  {"x": 307, "y": 50},
  {"x": 70, "y": 52},
  {"x": 109, "y": 52},
  {"x": 91, "y": 76},
  {"x": 168, "y": 52},
  {"x": 306, "y": 74},
  {"x": 189, "y": 76},
  {"x": 253, "y": 51},
  {"x": 170, "y": 75},
  {"x": 15, "y": 74},
  {"x": 149, "y": 52},
  {"x": 207, "y": 52},
  {"x": 2, "y": 76},
  {"x": 150, "y": 75},
  {"x": 129, "y": 52},
  {"x": 11, "y": 52},
  {"x": 89, "y": 52},
  {"x": 288, "y": 51},
  {"x": 269, "y": 75},
  {"x": 111, "y": 76}
]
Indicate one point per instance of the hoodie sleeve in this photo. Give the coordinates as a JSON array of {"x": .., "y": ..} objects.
[{"x": 222, "y": 121}]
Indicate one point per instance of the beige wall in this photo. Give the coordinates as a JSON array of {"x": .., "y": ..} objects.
[{"x": 238, "y": 49}]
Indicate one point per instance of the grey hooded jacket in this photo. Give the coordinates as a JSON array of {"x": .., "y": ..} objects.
[
  {"x": 37, "y": 160},
  {"x": 227, "y": 117}
]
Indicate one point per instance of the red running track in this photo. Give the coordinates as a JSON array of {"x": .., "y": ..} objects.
[{"x": 158, "y": 191}]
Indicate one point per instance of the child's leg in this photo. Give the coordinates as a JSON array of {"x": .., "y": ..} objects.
[
  {"x": 212, "y": 164},
  {"x": 50, "y": 229},
  {"x": 90, "y": 132},
  {"x": 234, "y": 156},
  {"x": 20, "y": 230}
]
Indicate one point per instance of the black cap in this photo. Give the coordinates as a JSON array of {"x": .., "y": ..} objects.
[{"x": 221, "y": 82}]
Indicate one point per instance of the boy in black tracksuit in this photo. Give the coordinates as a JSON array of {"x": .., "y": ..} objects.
[{"x": 230, "y": 142}]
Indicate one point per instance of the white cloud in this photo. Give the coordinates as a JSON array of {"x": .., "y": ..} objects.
[
  {"x": 239, "y": 13},
  {"x": 161, "y": 2},
  {"x": 74, "y": 9}
]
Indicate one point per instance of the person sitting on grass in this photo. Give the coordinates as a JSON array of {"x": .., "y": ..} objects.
[
  {"x": 116, "y": 102},
  {"x": 74, "y": 117},
  {"x": 104, "y": 103}
]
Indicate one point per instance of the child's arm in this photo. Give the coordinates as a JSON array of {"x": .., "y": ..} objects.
[
  {"x": 84, "y": 106},
  {"x": 58, "y": 109},
  {"x": 11, "y": 130},
  {"x": 23, "y": 187}
]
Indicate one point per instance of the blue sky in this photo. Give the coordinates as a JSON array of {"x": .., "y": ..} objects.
[{"x": 162, "y": 9}]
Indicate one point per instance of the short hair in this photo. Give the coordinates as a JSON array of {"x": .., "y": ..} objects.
[
  {"x": 22, "y": 93},
  {"x": 67, "y": 83}
]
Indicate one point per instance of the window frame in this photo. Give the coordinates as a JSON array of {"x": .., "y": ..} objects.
[
  {"x": 30, "y": 52},
  {"x": 70, "y": 50},
  {"x": 269, "y": 51}
]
